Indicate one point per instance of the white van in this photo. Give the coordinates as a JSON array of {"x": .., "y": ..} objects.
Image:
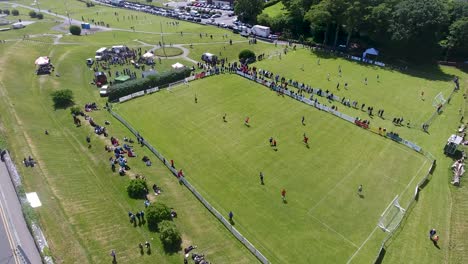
[{"x": 100, "y": 53}]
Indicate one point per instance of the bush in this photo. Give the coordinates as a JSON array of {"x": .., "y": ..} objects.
[
  {"x": 155, "y": 214},
  {"x": 159, "y": 80},
  {"x": 15, "y": 12},
  {"x": 32, "y": 14},
  {"x": 6, "y": 11},
  {"x": 137, "y": 189},
  {"x": 75, "y": 30},
  {"x": 62, "y": 98},
  {"x": 247, "y": 56},
  {"x": 76, "y": 110},
  {"x": 40, "y": 16},
  {"x": 170, "y": 236}
]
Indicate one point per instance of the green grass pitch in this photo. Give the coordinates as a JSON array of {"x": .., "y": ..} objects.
[{"x": 324, "y": 219}]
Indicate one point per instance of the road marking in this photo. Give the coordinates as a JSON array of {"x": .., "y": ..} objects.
[{"x": 7, "y": 229}]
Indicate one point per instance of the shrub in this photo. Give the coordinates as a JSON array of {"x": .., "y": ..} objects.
[
  {"x": 75, "y": 110},
  {"x": 40, "y": 16},
  {"x": 32, "y": 14},
  {"x": 170, "y": 236},
  {"x": 155, "y": 214},
  {"x": 15, "y": 12},
  {"x": 62, "y": 98},
  {"x": 122, "y": 89},
  {"x": 75, "y": 30},
  {"x": 247, "y": 56},
  {"x": 137, "y": 188},
  {"x": 6, "y": 11}
]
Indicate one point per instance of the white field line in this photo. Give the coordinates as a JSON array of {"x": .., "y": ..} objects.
[
  {"x": 414, "y": 177},
  {"x": 334, "y": 231},
  {"x": 362, "y": 245},
  {"x": 333, "y": 189}
]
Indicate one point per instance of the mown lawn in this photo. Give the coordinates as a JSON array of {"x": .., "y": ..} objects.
[
  {"x": 223, "y": 160},
  {"x": 85, "y": 205}
]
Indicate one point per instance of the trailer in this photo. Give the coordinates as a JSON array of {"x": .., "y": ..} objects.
[{"x": 260, "y": 31}]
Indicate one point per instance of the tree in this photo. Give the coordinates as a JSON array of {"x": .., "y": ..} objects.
[
  {"x": 6, "y": 11},
  {"x": 32, "y": 14},
  {"x": 40, "y": 16},
  {"x": 418, "y": 21},
  {"x": 247, "y": 56},
  {"x": 320, "y": 19},
  {"x": 75, "y": 30},
  {"x": 248, "y": 10},
  {"x": 170, "y": 236},
  {"x": 62, "y": 98},
  {"x": 15, "y": 12},
  {"x": 457, "y": 37},
  {"x": 155, "y": 214},
  {"x": 149, "y": 1},
  {"x": 137, "y": 188}
]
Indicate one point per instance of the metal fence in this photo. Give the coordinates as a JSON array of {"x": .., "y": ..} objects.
[
  {"x": 414, "y": 198},
  {"x": 187, "y": 184}
]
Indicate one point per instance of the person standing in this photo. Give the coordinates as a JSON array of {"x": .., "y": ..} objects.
[
  {"x": 261, "y": 178},
  {"x": 231, "y": 215},
  {"x": 360, "y": 189},
  {"x": 283, "y": 195},
  {"x": 246, "y": 122},
  {"x": 224, "y": 117},
  {"x": 114, "y": 256},
  {"x": 303, "y": 120}
]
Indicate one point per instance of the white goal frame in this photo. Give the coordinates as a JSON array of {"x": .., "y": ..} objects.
[{"x": 385, "y": 225}]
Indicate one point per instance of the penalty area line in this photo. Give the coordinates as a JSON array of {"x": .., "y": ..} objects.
[{"x": 362, "y": 245}]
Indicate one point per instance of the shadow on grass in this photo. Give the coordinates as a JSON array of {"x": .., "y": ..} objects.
[{"x": 428, "y": 70}]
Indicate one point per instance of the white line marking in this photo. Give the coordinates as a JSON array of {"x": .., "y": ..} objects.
[
  {"x": 414, "y": 177},
  {"x": 334, "y": 231},
  {"x": 332, "y": 189},
  {"x": 363, "y": 243}
]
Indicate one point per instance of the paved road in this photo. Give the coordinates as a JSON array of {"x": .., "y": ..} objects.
[{"x": 13, "y": 228}]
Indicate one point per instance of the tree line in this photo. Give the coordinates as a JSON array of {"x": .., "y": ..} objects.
[{"x": 412, "y": 29}]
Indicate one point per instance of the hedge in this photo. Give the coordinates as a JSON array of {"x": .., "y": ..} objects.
[{"x": 159, "y": 80}]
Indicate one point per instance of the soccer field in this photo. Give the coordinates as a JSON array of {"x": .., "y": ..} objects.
[{"x": 324, "y": 219}]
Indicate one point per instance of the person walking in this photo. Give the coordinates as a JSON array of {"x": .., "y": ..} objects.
[
  {"x": 283, "y": 195},
  {"x": 303, "y": 120},
  {"x": 261, "y": 178},
  {"x": 231, "y": 215}
]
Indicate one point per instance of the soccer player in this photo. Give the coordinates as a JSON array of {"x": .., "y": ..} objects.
[
  {"x": 246, "y": 122},
  {"x": 303, "y": 120},
  {"x": 224, "y": 117},
  {"x": 274, "y": 143},
  {"x": 359, "y": 189},
  {"x": 196, "y": 99},
  {"x": 231, "y": 215},
  {"x": 261, "y": 178},
  {"x": 271, "y": 141},
  {"x": 306, "y": 140},
  {"x": 283, "y": 195}
]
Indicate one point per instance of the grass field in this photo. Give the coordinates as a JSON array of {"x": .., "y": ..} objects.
[
  {"x": 168, "y": 52},
  {"x": 84, "y": 205},
  {"x": 275, "y": 10},
  {"x": 223, "y": 161}
]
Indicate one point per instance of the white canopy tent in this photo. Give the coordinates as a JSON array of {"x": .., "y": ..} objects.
[
  {"x": 177, "y": 65},
  {"x": 148, "y": 55},
  {"x": 370, "y": 51},
  {"x": 42, "y": 61}
]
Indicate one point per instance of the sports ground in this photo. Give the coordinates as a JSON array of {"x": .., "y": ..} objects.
[
  {"x": 223, "y": 161},
  {"x": 84, "y": 212}
]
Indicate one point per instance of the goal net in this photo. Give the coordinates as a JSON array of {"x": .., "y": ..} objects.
[
  {"x": 392, "y": 216},
  {"x": 439, "y": 100}
]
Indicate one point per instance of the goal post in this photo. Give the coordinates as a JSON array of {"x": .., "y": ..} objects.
[
  {"x": 438, "y": 100},
  {"x": 391, "y": 216}
]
